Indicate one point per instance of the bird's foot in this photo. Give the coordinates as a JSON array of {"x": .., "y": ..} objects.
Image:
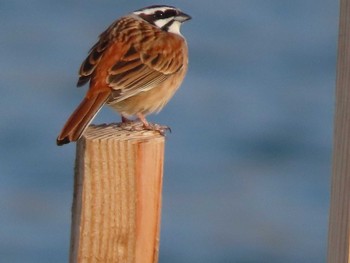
[
  {"x": 129, "y": 125},
  {"x": 162, "y": 129},
  {"x": 140, "y": 126}
]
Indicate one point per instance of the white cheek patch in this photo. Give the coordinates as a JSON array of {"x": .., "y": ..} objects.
[
  {"x": 162, "y": 22},
  {"x": 175, "y": 27}
]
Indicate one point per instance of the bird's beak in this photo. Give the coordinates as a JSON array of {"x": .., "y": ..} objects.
[{"x": 182, "y": 17}]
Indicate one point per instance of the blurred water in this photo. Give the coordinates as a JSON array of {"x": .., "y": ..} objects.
[{"x": 248, "y": 163}]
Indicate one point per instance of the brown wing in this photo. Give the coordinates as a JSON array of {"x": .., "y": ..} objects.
[{"x": 151, "y": 59}]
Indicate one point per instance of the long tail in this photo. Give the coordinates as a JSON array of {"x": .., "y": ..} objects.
[{"x": 81, "y": 118}]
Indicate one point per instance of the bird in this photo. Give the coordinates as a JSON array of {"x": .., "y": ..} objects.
[{"x": 135, "y": 67}]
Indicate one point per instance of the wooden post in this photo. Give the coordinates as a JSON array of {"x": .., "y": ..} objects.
[
  {"x": 339, "y": 220},
  {"x": 117, "y": 196}
]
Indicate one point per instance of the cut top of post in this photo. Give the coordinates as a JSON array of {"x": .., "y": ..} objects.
[{"x": 113, "y": 131}]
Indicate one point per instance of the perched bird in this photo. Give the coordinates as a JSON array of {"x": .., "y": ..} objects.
[{"x": 135, "y": 67}]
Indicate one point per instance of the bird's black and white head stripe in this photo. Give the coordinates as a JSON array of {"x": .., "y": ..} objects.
[{"x": 167, "y": 18}]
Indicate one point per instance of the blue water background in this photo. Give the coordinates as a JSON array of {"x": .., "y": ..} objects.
[{"x": 247, "y": 170}]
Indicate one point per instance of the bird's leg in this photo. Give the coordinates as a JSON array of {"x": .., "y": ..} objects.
[{"x": 145, "y": 123}]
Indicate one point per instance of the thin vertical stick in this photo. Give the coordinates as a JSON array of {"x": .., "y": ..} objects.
[
  {"x": 117, "y": 196},
  {"x": 339, "y": 220}
]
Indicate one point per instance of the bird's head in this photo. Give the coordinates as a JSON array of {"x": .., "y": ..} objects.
[{"x": 167, "y": 18}]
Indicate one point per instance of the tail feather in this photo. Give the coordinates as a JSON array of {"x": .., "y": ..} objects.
[{"x": 81, "y": 118}]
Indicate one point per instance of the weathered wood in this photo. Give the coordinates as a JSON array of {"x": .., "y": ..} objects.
[
  {"x": 117, "y": 196},
  {"x": 339, "y": 220}
]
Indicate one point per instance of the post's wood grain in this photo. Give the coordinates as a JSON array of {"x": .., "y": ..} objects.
[
  {"x": 117, "y": 196},
  {"x": 339, "y": 219}
]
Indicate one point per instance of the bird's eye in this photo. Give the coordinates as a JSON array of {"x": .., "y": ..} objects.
[{"x": 158, "y": 15}]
